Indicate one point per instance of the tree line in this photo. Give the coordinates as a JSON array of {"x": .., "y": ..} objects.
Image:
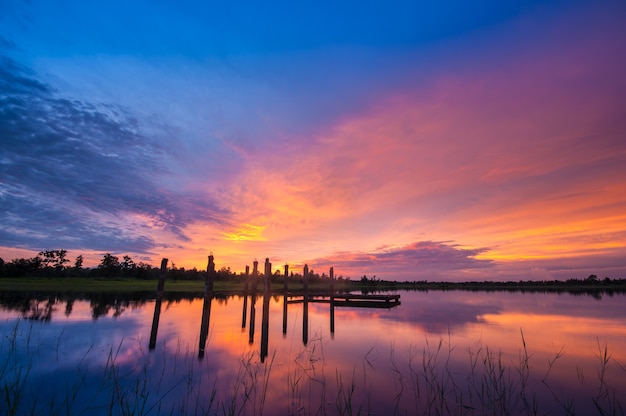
[{"x": 56, "y": 264}]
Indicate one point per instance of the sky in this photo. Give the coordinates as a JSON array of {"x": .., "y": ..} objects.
[{"x": 414, "y": 140}]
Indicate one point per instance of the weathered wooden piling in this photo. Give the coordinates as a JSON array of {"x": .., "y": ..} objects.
[
  {"x": 245, "y": 298},
  {"x": 305, "y": 305},
  {"x": 286, "y": 281},
  {"x": 286, "y": 292},
  {"x": 255, "y": 272},
  {"x": 206, "y": 308},
  {"x": 157, "y": 304},
  {"x": 254, "y": 278},
  {"x": 209, "y": 278},
  {"x": 162, "y": 274}
]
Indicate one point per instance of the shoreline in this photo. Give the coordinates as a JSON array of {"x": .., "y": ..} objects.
[{"x": 322, "y": 286}]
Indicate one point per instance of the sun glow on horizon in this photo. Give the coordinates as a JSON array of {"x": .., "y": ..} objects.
[
  {"x": 493, "y": 149},
  {"x": 246, "y": 232}
]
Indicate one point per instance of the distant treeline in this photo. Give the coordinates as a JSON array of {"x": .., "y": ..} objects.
[
  {"x": 588, "y": 285},
  {"x": 54, "y": 264}
]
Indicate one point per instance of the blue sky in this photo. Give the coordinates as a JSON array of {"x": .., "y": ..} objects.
[{"x": 449, "y": 139}]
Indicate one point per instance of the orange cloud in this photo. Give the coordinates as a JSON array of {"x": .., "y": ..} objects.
[{"x": 523, "y": 156}]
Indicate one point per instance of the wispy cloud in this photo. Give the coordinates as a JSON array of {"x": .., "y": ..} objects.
[
  {"x": 422, "y": 260},
  {"x": 489, "y": 144},
  {"x": 84, "y": 174}
]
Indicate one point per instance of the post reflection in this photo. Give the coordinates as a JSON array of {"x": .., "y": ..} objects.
[
  {"x": 332, "y": 303},
  {"x": 157, "y": 305},
  {"x": 255, "y": 272},
  {"x": 265, "y": 321},
  {"x": 204, "y": 326},
  {"x": 285, "y": 294},
  {"x": 473, "y": 322},
  {"x": 155, "y": 323},
  {"x": 305, "y": 306},
  {"x": 289, "y": 298}
]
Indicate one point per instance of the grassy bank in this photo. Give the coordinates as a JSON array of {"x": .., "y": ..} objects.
[
  {"x": 84, "y": 285},
  {"x": 113, "y": 285},
  {"x": 129, "y": 285}
]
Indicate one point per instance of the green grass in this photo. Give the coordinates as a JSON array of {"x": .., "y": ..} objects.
[
  {"x": 91, "y": 285},
  {"x": 130, "y": 285},
  {"x": 118, "y": 285}
]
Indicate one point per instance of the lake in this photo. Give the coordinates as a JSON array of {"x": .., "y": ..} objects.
[{"x": 437, "y": 352}]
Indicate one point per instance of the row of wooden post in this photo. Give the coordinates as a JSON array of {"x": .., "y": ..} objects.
[{"x": 208, "y": 296}]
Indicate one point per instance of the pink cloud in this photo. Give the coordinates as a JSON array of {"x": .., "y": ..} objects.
[
  {"x": 422, "y": 260},
  {"x": 512, "y": 143}
]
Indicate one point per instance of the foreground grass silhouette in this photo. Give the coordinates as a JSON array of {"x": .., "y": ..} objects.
[{"x": 422, "y": 380}]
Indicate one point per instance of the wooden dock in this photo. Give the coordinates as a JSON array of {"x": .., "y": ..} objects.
[
  {"x": 367, "y": 301},
  {"x": 354, "y": 301}
]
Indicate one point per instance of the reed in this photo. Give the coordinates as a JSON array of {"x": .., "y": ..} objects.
[{"x": 426, "y": 380}]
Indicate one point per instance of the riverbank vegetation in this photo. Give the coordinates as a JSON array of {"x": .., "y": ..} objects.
[{"x": 51, "y": 271}]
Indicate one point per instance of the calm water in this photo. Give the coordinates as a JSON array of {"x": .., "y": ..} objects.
[{"x": 436, "y": 353}]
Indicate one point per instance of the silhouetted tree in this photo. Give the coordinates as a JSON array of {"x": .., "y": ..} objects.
[
  {"x": 145, "y": 271},
  {"x": 78, "y": 264},
  {"x": 23, "y": 267},
  {"x": 223, "y": 273},
  {"x": 128, "y": 266},
  {"x": 54, "y": 258},
  {"x": 109, "y": 265},
  {"x": 53, "y": 262}
]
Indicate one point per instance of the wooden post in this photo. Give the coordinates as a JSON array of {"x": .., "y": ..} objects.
[
  {"x": 285, "y": 282},
  {"x": 247, "y": 280},
  {"x": 245, "y": 298},
  {"x": 162, "y": 275},
  {"x": 268, "y": 276},
  {"x": 255, "y": 272},
  {"x": 210, "y": 276},
  {"x": 157, "y": 305}
]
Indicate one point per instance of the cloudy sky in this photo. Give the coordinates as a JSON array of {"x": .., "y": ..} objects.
[{"x": 408, "y": 140}]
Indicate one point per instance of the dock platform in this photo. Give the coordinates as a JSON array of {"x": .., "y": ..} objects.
[
  {"x": 355, "y": 301},
  {"x": 367, "y": 301}
]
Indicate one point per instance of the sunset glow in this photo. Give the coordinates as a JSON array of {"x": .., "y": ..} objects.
[{"x": 402, "y": 141}]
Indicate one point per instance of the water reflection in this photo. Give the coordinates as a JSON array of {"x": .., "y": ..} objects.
[
  {"x": 157, "y": 304},
  {"x": 355, "y": 301},
  {"x": 381, "y": 351},
  {"x": 155, "y": 323}
]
